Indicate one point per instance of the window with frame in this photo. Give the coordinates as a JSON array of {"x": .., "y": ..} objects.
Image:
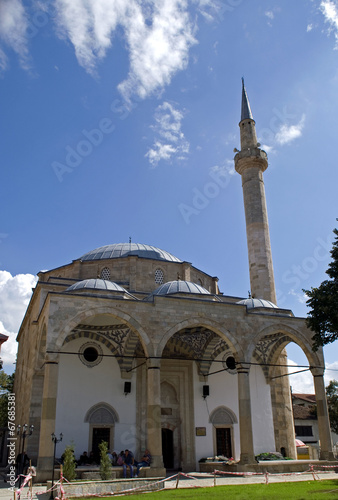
[
  {"x": 303, "y": 430},
  {"x": 105, "y": 274},
  {"x": 159, "y": 277}
]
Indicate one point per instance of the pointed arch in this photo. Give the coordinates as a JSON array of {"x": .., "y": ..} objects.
[
  {"x": 102, "y": 413},
  {"x": 222, "y": 416}
]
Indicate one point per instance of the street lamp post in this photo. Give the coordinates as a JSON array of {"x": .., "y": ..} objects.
[
  {"x": 55, "y": 441},
  {"x": 22, "y": 433}
]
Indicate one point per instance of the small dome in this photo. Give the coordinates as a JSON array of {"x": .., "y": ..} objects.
[
  {"x": 180, "y": 286},
  {"x": 96, "y": 284},
  {"x": 119, "y": 250},
  {"x": 254, "y": 303}
]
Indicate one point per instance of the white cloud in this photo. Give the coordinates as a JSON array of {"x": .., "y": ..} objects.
[
  {"x": 331, "y": 372},
  {"x": 13, "y": 27},
  {"x": 171, "y": 142},
  {"x": 226, "y": 170},
  {"x": 288, "y": 133},
  {"x": 268, "y": 149},
  {"x": 158, "y": 33},
  {"x": 303, "y": 382},
  {"x": 301, "y": 297},
  {"x": 15, "y": 293},
  {"x": 300, "y": 382},
  {"x": 330, "y": 11},
  {"x": 269, "y": 14},
  {"x": 309, "y": 27}
]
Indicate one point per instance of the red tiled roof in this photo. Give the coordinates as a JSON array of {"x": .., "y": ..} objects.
[{"x": 310, "y": 398}]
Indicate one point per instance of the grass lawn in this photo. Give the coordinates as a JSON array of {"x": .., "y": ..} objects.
[{"x": 303, "y": 490}]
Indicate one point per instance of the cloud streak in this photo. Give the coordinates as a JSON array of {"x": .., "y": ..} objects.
[
  {"x": 330, "y": 11},
  {"x": 13, "y": 32},
  {"x": 158, "y": 34},
  {"x": 171, "y": 142}
]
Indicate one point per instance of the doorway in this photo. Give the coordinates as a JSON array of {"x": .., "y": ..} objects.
[
  {"x": 168, "y": 448},
  {"x": 223, "y": 442},
  {"x": 99, "y": 434}
]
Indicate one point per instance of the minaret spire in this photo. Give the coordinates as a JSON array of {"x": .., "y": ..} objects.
[
  {"x": 246, "y": 110},
  {"x": 250, "y": 163}
]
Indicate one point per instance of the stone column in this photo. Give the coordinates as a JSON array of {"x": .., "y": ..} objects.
[
  {"x": 284, "y": 427},
  {"x": 154, "y": 430},
  {"x": 47, "y": 425},
  {"x": 245, "y": 421},
  {"x": 326, "y": 452}
]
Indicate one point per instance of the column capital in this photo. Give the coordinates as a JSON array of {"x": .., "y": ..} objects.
[
  {"x": 242, "y": 367},
  {"x": 154, "y": 363},
  {"x": 317, "y": 371}
]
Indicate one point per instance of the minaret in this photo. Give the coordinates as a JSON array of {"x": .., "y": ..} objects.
[{"x": 250, "y": 163}]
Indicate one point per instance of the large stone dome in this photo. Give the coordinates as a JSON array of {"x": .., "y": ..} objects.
[{"x": 119, "y": 250}]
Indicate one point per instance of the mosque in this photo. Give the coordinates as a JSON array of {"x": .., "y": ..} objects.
[{"x": 131, "y": 345}]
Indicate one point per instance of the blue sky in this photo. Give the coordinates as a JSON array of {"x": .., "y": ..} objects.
[{"x": 119, "y": 119}]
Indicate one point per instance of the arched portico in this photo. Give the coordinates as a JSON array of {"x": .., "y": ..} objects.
[
  {"x": 191, "y": 347},
  {"x": 98, "y": 326},
  {"x": 268, "y": 348}
]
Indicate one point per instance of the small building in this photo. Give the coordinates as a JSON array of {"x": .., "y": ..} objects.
[{"x": 306, "y": 423}]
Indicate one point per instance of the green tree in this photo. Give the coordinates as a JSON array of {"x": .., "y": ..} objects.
[
  {"x": 105, "y": 463},
  {"x": 6, "y": 387},
  {"x": 323, "y": 301},
  {"x": 332, "y": 401},
  {"x": 69, "y": 463}
]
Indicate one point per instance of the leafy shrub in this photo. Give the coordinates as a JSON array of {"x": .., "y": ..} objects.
[
  {"x": 105, "y": 463},
  {"x": 69, "y": 463}
]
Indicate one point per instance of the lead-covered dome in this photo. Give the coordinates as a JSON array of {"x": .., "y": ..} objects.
[
  {"x": 254, "y": 303},
  {"x": 119, "y": 250},
  {"x": 180, "y": 286},
  {"x": 96, "y": 284}
]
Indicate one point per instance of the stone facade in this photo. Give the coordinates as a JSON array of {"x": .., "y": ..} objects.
[{"x": 109, "y": 350}]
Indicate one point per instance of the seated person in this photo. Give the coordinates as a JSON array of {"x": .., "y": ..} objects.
[
  {"x": 120, "y": 458},
  {"x": 114, "y": 458},
  {"x": 84, "y": 459},
  {"x": 145, "y": 462},
  {"x": 128, "y": 462}
]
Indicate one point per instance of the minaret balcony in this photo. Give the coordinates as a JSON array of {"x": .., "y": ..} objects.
[{"x": 251, "y": 157}]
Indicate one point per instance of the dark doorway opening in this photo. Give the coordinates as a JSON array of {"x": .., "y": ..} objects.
[
  {"x": 223, "y": 442},
  {"x": 168, "y": 448},
  {"x": 99, "y": 434}
]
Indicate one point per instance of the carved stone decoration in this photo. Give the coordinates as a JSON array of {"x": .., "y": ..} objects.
[
  {"x": 222, "y": 416},
  {"x": 101, "y": 413},
  {"x": 265, "y": 349}
]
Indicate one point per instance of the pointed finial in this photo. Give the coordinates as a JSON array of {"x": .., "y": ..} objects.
[{"x": 246, "y": 110}]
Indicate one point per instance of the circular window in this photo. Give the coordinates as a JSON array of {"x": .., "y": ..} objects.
[
  {"x": 229, "y": 363},
  {"x": 159, "y": 277},
  {"x": 90, "y": 354},
  {"x": 105, "y": 274}
]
